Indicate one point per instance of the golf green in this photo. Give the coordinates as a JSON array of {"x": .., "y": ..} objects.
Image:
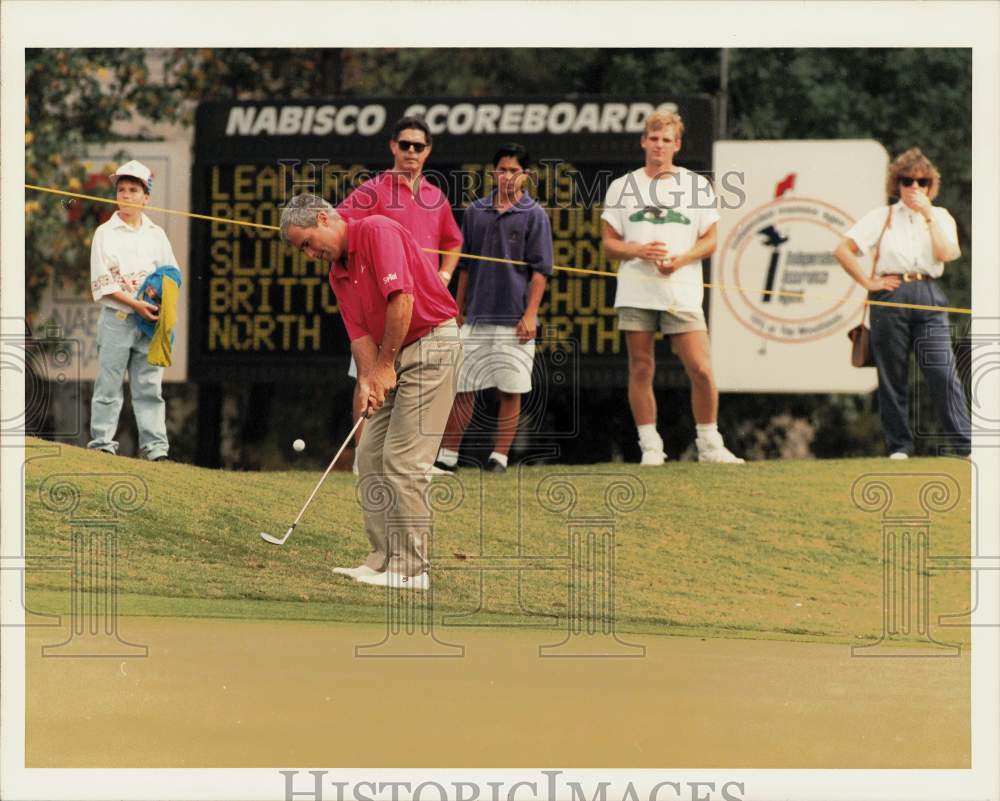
[{"x": 244, "y": 693}]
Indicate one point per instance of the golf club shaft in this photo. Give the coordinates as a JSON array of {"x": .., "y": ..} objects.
[{"x": 328, "y": 469}]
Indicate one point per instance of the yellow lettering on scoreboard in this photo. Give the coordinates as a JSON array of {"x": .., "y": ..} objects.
[
  {"x": 263, "y": 296},
  {"x": 577, "y": 306}
]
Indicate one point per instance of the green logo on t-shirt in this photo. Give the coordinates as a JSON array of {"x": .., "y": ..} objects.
[{"x": 654, "y": 214}]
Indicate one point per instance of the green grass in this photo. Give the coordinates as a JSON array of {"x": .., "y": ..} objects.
[{"x": 770, "y": 550}]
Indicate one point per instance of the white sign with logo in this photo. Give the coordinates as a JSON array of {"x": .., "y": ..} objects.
[
  {"x": 781, "y": 305},
  {"x": 74, "y": 316}
]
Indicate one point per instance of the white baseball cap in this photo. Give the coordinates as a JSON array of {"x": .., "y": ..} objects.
[{"x": 137, "y": 170}]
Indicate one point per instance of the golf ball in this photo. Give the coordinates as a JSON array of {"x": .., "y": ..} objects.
[{"x": 299, "y": 445}]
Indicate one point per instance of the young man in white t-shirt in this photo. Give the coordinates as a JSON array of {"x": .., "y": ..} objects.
[{"x": 660, "y": 221}]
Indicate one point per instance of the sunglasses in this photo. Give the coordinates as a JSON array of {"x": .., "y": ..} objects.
[
  {"x": 405, "y": 144},
  {"x": 906, "y": 180}
]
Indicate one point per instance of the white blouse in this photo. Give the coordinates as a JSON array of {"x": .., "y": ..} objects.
[{"x": 906, "y": 246}]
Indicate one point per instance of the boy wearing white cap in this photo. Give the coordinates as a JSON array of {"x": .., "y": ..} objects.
[{"x": 125, "y": 250}]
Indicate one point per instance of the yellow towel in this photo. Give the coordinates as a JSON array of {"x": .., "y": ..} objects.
[{"x": 161, "y": 345}]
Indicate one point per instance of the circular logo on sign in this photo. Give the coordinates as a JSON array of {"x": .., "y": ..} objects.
[{"x": 778, "y": 276}]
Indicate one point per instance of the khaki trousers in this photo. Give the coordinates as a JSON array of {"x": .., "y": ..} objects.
[{"x": 398, "y": 447}]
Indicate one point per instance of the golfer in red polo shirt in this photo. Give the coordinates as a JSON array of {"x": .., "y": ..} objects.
[{"x": 401, "y": 322}]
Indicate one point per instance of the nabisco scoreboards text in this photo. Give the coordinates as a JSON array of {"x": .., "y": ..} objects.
[{"x": 261, "y": 311}]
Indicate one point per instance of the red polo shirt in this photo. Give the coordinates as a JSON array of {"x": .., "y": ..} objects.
[
  {"x": 427, "y": 214},
  {"x": 382, "y": 258}
]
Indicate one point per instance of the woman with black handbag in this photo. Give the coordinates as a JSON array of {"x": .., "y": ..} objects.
[{"x": 912, "y": 240}]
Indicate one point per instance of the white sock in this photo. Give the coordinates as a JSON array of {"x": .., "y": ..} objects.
[
  {"x": 499, "y": 457},
  {"x": 448, "y": 457},
  {"x": 649, "y": 439},
  {"x": 708, "y": 434}
]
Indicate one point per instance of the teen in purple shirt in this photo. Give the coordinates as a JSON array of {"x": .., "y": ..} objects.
[{"x": 499, "y": 302}]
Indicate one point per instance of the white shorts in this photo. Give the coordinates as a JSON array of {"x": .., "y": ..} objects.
[
  {"x": 352, "y": 370},
  {"x": 494, "y": 358}
]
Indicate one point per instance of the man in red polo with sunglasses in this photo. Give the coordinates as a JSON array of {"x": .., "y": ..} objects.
[
  {"x": 400, "y": 319},
  {"x": 403, "y": 194}
]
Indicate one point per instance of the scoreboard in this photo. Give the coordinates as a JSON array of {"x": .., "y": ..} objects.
[{"x": 260, "y": 311}]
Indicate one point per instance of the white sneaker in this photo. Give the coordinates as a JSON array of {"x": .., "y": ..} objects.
[
  {"x": 899, "y": 455},
  {"x": 398, "y": 581},
  {"x": 653, "y": 458},
  {"x": 719, "y": 455},
  {"x": 356, "y": 572}
]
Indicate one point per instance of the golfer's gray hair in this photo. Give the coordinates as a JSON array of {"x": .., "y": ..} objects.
[{"x": 301, "y": 211}]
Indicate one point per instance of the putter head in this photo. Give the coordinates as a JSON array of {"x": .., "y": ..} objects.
[{"x": 275, "y": 540}]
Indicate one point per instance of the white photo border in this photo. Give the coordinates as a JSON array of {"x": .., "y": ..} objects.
[{"x": 220, "y": 23}]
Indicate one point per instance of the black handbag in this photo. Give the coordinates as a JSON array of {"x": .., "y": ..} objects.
[{"x": 861, "y": 335}]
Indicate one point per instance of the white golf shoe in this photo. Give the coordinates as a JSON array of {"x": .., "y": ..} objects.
[
  {"x": 355, "y": 572},
  {"x": 899, "y": 455},
  {"x": 712, "y": 450},
  {"x": 398, "y": 581},
  {"x": 719, "y": 455}
]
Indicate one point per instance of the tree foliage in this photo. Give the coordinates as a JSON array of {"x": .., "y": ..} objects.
[
  {"x": 72, "y": 98},
  {"x": 902, "y": 98}
]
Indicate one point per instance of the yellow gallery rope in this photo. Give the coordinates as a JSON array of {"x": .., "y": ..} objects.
[{"x": 581, "y": 270}]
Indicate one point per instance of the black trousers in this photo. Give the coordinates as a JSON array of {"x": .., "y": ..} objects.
[{"x": 895, "y": 334}]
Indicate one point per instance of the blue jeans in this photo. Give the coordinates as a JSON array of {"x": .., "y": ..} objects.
[
  {"x": 121, "y": 346},
  {"x": 895, "y": 334}
]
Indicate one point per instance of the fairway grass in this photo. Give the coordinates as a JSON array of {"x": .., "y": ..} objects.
[{"x": 775, "y": 550}]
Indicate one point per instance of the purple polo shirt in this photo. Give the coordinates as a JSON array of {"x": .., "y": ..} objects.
[
  {"x": 382, "y": 258},
  {"x": 427, "y": 215},
  {"x": 498, "y": 293}
]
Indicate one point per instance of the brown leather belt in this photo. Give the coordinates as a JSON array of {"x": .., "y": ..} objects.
[{"x": 907, "y": 277}]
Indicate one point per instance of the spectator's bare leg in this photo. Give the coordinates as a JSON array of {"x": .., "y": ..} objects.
[
  {"x": 641, "y": 365},
  {"x": 507, "y": 419},
  {"x": 693, "y": 350},
  {"x": 458, "y": 420}
]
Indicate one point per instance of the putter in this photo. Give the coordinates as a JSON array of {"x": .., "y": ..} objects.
[{"x": 281, "y": 540}]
